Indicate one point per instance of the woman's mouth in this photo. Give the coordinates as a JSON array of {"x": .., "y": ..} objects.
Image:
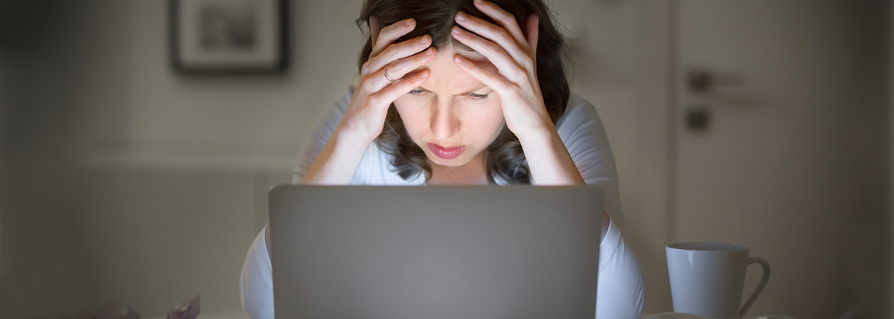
[{"x": 446, "y": 153}]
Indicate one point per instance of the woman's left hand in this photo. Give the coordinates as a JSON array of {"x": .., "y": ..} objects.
[{"x": 514, "y": 55}]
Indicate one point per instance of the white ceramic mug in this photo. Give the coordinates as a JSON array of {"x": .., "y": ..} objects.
[{"x": 707, "y": 278}]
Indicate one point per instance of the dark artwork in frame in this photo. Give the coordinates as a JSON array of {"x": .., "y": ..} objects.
[{"x": 228, "y": 36}]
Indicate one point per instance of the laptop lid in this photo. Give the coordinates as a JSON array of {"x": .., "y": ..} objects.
[{"x": 435, "y": 251}]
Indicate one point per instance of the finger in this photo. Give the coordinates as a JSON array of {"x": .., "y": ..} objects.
[
  {"x": 516, "y": 47},
  {"x": 395, "y": 52},
  {"x": 503, "y": 18},
  {"x": 388, "y": 94},
  {"x": 533, "y": 33},
  {"x": 398, "y": 69},
  {"x": 493, "y": 52},
  {"x": 390, "y": 34},
  {"x": 493, "y": 80}
]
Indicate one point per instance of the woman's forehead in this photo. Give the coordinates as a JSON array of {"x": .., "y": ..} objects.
[
  {"x": 447, "y": 77},
  {"x": 478, "y": 58}
]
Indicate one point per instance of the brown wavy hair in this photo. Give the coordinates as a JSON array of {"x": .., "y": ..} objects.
[{"x": 504, "y": 157}]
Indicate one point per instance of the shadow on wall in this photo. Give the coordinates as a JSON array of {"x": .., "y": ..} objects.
[
  {"x": 73, "y": 238},
  {"x": 41, "y": 265}
]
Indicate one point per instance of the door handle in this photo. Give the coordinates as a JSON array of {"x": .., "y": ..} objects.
[{"x": 702, "y": 81}]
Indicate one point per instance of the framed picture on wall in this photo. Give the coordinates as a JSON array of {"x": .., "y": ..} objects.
[{"x": 228, "y": 36}]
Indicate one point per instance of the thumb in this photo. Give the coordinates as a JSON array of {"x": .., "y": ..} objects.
[{"x": 533, "y": 31}]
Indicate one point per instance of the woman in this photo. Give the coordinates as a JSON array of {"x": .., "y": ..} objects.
[{"x": 456, "y": 92}]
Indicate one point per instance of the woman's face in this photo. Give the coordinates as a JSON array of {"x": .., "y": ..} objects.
[{"x": 452, "y": 116}]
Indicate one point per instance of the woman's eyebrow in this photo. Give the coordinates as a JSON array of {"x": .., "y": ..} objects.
[
  {"x": 466, "y": 92},
  {"x": 479, "y": 88}
]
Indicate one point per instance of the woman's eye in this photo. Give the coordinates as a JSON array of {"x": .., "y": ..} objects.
[
  {"x": 416, "y": 92},
  {"x": 478, "y": 96}
]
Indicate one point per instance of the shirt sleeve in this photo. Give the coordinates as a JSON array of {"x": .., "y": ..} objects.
[
  {"x": 256, "y": 282},
  {"x": 321, "y": 135},
  {"x": 621, "y": 291},
  {"x": 584, "y": 136}
]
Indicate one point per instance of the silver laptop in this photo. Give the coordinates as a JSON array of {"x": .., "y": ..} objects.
[{"x": 435, "y": 251}]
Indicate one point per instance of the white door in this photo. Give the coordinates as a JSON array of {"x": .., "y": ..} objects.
[{"x": 765, "y": 94}]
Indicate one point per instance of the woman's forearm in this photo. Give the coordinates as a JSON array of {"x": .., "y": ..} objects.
[
  {"x": 336, "y": 163},
  {"x": 548, "y": 159},
  {"x": 339, "y": 159},
  {"x": 551, "y": 164}
]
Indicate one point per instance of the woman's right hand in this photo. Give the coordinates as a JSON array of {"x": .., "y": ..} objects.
[{"x": 365, "y": 117}]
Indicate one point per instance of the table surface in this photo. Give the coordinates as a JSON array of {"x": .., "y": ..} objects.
[
  {"x": 220, "y": 315},
  {"x": 242, "y": 315}
]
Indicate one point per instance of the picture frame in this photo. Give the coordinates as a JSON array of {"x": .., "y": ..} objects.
[{"x": 228, "y": 36}]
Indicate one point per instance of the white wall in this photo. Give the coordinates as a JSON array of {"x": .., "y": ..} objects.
[
  {"x": 153, "y": 111},
  {"x": 176, "y": 168},
  {"x": 157, "y": 236}
]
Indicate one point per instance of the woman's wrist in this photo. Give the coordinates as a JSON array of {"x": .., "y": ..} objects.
[
  {"x": 354, "y": 132},
  {"x": 338, "y": 162},
  {"x": 542, "y": 132},
  {"x": 351, "y": 137},
  {"x": 548, "y": 158}
]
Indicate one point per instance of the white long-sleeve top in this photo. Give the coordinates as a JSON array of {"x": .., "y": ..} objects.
[{"x": 621, "y": 291}]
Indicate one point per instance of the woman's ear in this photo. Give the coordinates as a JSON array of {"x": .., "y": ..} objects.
[{"x": 374, "y": 28}]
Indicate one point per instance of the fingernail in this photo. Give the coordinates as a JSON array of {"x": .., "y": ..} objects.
[
  {"x": 429, "y": 52},
  {"x": 424, "y": 39},
  {"x": 424, "y": 75},
  {"x": 458, "y": 59},
  {"x": 409, "y": 22},
  {"x": 456, "y": 30},
  {"x": 479, "y": 1},
  {"x": 460, "y": 16}
]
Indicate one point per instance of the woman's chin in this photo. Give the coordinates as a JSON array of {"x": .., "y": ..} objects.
[{"x": 455, "y": 162}]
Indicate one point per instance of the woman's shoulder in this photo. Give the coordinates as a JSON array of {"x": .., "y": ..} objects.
[
  {"x": 578, "y": 110},
  {"x": 335, "y": 113},
  {"x": 580, "y": 123}
]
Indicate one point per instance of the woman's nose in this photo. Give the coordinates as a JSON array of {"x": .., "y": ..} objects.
[{"x": 444, "y": 123}]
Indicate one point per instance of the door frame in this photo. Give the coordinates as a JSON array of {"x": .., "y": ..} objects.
[{"x": 651, "y": 192}]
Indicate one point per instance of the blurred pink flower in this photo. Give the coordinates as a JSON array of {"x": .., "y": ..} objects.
[
  {"x": 116, "y": 310},
  {"x": 188, "y": 309}
]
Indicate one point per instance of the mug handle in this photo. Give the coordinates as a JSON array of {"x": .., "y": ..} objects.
[{"x": 760, "y": 286}]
